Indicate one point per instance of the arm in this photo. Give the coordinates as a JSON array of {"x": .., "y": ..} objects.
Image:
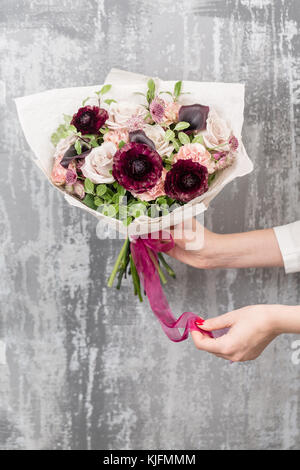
[
  {"x": 201, "y": 248},
  {"x": 251, "y": 330}
]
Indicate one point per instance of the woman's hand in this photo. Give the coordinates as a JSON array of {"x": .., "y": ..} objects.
[
  {"x": 251, "y": 329},
  {"x": 200, "y": 248}
]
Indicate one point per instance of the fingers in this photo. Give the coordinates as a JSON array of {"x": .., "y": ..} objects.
[
  {"x": 217, "y": 323},
  {"x": 187, "y": 234},
  {"x": 212, "y": 345},
  {"x": 177, "y": 253}
]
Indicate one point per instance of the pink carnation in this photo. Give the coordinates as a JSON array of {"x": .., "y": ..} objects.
[
  {"x": 197, "y": 153},
  {"x": 157, "y": 191},
  {"x": 171, "y": 112},
  {"x": 115, "y": 137}
]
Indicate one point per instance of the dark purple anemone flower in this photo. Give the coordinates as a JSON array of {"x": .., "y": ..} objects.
[
  {"x": 89, "y": 119},
  {"x": 186, "y": 180},
  {"x": 196, "y": 115},
  {"x": 137, "y": 167}
]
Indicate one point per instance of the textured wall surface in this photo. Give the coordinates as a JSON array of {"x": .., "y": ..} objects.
[{"x": 68, "y": 380}]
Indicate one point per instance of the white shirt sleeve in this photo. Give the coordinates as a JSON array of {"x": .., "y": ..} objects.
[{"x": 288, "y": 237}]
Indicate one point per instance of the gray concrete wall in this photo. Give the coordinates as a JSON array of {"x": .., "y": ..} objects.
[{"x": 68, "y": 378}]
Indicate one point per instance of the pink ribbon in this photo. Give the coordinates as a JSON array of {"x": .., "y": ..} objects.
[{"x": 144, "y": 252}]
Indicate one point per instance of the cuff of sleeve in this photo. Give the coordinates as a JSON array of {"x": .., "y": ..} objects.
[{"x": 288, "y": 238}]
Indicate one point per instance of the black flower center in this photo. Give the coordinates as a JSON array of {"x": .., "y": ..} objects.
[
  {"x": 139, "y": 167},
  {"x": 85, "y": 119},
  {"x": 189, "y": 181}
]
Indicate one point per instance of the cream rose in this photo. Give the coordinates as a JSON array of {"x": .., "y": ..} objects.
[
  {"x": 198, "y": 154},
  {"x": 217, "y": 131},
  {"x": 98, "y": 164},
  {"x": 157, "y": 135},
  {"x": 120, "y": 113}
]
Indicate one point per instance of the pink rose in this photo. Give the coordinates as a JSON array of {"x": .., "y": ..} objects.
[
  {"x": 171, "y": 112},
  {"x": 155, "y": 192},
  {"x": 116, "y": 136},
  {"x": 198, "y": 153}
]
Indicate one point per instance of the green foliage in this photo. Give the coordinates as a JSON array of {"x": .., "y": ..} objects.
[
  {"x": 101, "y": 189},
  {"x": 177, "y": 89},
  {"x": 184, "y": 139},
  {"x": 78, "y": 147},
  {"x": 182, "y": 125},
  {"x": 89, "y": 201},
  {"x": 89, "y": 186},
  {"x": 151, "y": 90},
  {"x": 198, "y": 139},
  {"x": 63, "y": 130}
]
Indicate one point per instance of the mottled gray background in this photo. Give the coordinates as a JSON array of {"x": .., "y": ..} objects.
[{"x": 84, "y": 367}]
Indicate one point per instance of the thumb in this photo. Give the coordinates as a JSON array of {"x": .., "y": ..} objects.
[{"x": 217, "y": 323}]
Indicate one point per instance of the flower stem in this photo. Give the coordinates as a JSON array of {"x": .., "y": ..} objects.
[
  {"x": 118, "y": 263},
  {"x": 154, "y": 260},
  {"x": 166, "y": 266},
  {"x": 136, "y": 279}
]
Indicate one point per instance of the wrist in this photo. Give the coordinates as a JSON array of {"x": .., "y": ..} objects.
[{"x": 285, "y": 319}]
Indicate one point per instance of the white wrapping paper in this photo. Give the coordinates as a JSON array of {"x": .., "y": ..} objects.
[{"x": 41, "y": 113}]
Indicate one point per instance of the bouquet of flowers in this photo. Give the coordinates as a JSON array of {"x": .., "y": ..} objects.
[{"x": 142, "y": 155}]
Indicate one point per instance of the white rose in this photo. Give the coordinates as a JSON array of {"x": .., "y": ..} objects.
[
  {"x": 217, "y": 131},
  {"x": 157, "y": 135},
  {"x": 98, "y": 164},
  {"x": 120, "y": 113}
]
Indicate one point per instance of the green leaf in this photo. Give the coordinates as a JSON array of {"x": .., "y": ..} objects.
[
  {"x": 136, "y": 210},
  {"x": 184, "y": 139},
  {"x": 198, "y": 139},
  {"x": 151, "y": 90},
  {"x": 121, "y": 190},
  {"x": 109, "y": 101},
  {"x": 101, "y": 189},
  {"x": 104, "y": 131},
  {"x": 123, "y": 212},
  {"x": 121, "y": 144},
  {"x": 105, "y": 89},
  {"x": 98, "y": 201},
  {"x": 89, "y": 201},
  {"x": 67, "y": 119},
  {"x": 89, "y": 186},
  {"x": 169, "y": 135},
  {"x": 180, "y": 126},
  {"x": 177, "y": 89},
  {"x": 211, "y": 178},
  {"x": 63, "y": 131},
  {"x": 85, "y": 101},
  {"x": 127, "y": 221},
  {"x": 161, "y": 200},
  {"x": 151, "y": 85},
  {"x": 176, "y": 145},
  {"x": 109, "y": 210},
  {"x": 168, "y": 92},
  {"x": 78, "y": 147}
]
